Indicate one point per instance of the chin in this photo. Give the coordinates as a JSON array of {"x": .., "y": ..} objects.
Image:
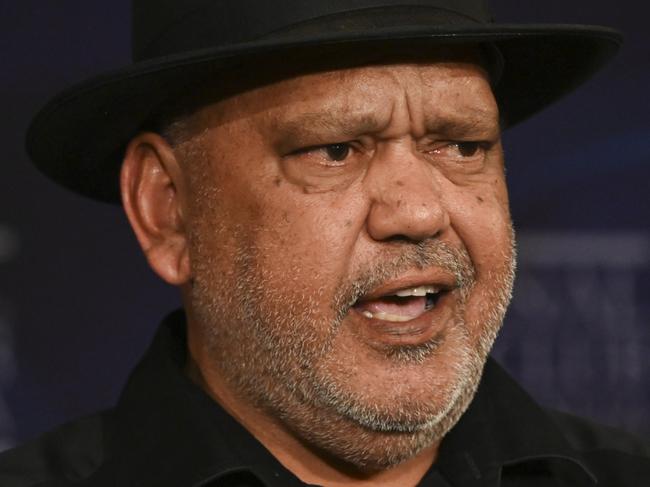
[
  {"x": 380, "y": 441},
  {"x": 377, "y": 424},
  {"x": 368, "y": 453}
]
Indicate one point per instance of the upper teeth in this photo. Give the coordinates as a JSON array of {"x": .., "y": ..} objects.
[{"x": 417, "y": 291}]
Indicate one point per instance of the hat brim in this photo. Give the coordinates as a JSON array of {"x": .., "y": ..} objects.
[{"x": 78, "y": 138}]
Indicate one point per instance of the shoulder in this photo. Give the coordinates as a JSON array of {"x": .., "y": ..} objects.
[
  {"x": 71, "y": 452},
  {"x": 617, "y": 457}
]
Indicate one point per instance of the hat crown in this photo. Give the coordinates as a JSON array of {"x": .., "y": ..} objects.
[{"x": 167, "y": 27}]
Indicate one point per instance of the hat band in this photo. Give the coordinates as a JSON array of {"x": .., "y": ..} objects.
[{"x": 221, "y": 23}]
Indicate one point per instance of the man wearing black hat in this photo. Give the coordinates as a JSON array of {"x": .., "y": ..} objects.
[{"x": 324, "y": 183}]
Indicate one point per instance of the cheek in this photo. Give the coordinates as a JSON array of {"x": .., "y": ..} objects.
[
  {"x": 301, "y": 240},
  {"x": 485, "y": 228},
  {"x": 316, "y": 233},
  {"x": 480, "y": 216},
  {"x": 225, "y": 212},
  {"x": 481, "y": 219}
]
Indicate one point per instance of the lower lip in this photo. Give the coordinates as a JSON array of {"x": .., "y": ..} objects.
[{"x": 426, "y": 327}]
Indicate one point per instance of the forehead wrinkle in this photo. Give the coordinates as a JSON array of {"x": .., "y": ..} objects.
[
  {"x": 450, "y": 124},
  {"x": 462, "y": 120},
  {"x": 328, "y": 121},
  {"x": 342, "y": 115},
  {"x": 463, "y": 102}
]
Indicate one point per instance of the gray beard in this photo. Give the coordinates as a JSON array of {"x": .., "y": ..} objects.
[{"x": 273, "y": 349}]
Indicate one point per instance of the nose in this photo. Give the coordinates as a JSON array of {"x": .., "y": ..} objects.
[{"x": 406, "y": 198}]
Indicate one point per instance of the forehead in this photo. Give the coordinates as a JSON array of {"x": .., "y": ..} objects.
[
  {"x": 448, "y": 84},
  {"x": 448, "y": 89}
]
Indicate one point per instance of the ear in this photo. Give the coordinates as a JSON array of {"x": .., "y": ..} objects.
[{"x": 153, "y": 193}]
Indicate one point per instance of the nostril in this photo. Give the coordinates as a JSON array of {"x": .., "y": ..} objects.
[{"x": 404, "y": 238}]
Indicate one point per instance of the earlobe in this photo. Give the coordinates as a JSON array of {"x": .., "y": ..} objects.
[{"x": 153, "y": 192}]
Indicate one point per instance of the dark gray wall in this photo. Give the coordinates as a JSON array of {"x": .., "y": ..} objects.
[{"x": 78, "y": 303}]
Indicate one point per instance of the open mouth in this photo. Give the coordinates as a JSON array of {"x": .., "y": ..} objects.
[{"x": 402, "y": 305}]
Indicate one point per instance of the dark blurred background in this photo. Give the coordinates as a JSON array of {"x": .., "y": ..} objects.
[{"x": 78, "y": 304}]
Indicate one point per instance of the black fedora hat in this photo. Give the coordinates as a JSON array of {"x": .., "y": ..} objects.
[{"x": 78, "y": 138}]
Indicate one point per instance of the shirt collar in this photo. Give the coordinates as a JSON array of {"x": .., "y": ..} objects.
[
  {"x": 169, "y": 432},
  {"x": 504, "y": 428}
]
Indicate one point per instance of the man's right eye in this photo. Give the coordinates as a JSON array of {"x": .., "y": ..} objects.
[{"x": 329, "y": 154}]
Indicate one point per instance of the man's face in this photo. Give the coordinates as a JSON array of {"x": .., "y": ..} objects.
[{"x": 351, "y": 251}]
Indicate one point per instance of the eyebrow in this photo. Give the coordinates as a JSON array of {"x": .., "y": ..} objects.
[
  {"x": 478, "y": 121},
  {"x": 307, "y": 123},
  {"x": 312, "y": 124}
]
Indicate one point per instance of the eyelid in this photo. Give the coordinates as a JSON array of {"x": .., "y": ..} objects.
[
  {"x": 483, "y": 145},
  {"x": 353, "y": 144}
]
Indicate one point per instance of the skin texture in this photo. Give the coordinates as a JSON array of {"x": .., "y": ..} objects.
[{"x": 290, "y": 202}]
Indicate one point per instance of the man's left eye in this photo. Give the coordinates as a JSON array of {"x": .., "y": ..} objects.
[
  {"x": 460, "y": 150},
  {"x": 337, "y": 152},
  {"x": 467, "y": 149}
]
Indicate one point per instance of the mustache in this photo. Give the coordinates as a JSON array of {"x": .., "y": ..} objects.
[{"x": 401, "y": 259}]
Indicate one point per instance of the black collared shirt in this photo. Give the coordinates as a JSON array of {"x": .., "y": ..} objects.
[{"x": 165, "y": 431}]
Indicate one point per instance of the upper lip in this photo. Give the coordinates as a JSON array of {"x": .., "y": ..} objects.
[{"x": 440, "y": 280}]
